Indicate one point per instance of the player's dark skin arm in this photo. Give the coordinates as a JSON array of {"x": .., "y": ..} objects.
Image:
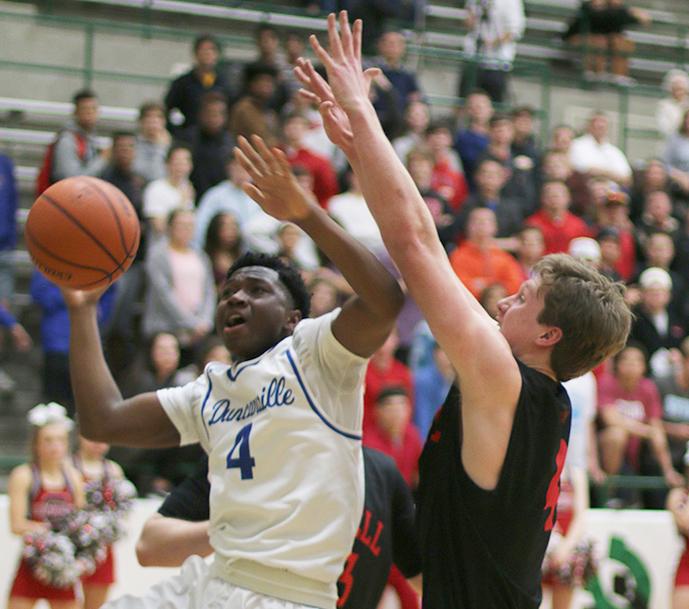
[
  {"x": 103, "y": 415},
  {"x": 168, "y": 542},
  {"x": 367, "y": 317}
]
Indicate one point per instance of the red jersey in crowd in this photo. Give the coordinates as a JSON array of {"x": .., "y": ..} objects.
[
  {"x": 376, "y": 379},
  {"x": 449, "y": 183},
  {"x": 324, "y": 178},
  {"x": 406, "y": 452},
  {"x": 558, "y": 233},
  {"x": 641, "y": 404}
]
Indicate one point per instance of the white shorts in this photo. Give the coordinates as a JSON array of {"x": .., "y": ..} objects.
[{"x": 194, "y": 588}]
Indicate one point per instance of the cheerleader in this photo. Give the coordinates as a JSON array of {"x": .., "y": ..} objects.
[
  {"x": 46, "y": 488},
  {"x": 569, "y": 559},
  {"x": 98, "y": 471}
]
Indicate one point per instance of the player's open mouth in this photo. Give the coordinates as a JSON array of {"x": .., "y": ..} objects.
[{"x": 234, "y": 321}]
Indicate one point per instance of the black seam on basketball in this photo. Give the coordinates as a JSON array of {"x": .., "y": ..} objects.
[
  {"x": 109, "y": 275},
  {"x": 131, "y": 250},
  {"x": 79, "y": 225},
  {"x": 93, "y": 184},
  {"x": 45, "y": 250}
]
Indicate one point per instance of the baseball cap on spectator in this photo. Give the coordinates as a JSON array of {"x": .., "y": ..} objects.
[
  {"x": 655, "y": 278},
  {"x": 608, "y": 232},
  {"x": 584, "y": 248}
]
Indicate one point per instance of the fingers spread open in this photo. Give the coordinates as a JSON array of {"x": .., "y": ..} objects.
[
  {"x": 312, "y": 97},
  {"x": 320, "y": 86},
  {"x": 253, "y": 192},
  {"x": 371, "y": 74},
  {"x": 334, "y": 39},
  {"x": 346, "y": 35},
  {"x": 356, "y": 39},
  {"x": 251, "y": 155},
  {"x": 321, "y": 53},
  {"x": 266, "y": 154},
  {"x": 281, "y": 160}
]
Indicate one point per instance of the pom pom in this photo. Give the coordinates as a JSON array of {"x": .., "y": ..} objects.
[
  {"x": 581, "y": 565},
  {"x": 51, "y": 556}
]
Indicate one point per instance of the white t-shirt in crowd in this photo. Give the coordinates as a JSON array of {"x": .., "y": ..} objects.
[
  {"x": 586, "y": 154},
  {"x": 161, "y": 197},
  {"x": 351, "y": 212},
  {"x": 583, "y": 394}
]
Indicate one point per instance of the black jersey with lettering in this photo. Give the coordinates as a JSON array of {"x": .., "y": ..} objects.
[
  {"x": 484, "y": 549},
  {"x": 386, "y": 532}
]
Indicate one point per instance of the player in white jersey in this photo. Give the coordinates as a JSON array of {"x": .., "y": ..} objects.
[{"x": 281, "y": 425}]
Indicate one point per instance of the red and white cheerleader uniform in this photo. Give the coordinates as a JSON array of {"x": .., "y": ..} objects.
[{"x": 44, "y": 504}]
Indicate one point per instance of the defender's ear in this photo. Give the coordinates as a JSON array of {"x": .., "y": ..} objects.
[{"x": 550, "y": 337}]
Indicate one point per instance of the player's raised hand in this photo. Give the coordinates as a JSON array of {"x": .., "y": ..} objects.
[
  {"x": 348, "y": 82},
  {"x": 274, "y": 187},
  {"x": 335, "y": 120}
]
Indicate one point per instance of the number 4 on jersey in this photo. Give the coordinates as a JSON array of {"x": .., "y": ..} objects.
[{"x": 245, "y": 462}]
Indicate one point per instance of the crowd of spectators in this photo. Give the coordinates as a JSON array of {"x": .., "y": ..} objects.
[{"x": 501, "y": 198}]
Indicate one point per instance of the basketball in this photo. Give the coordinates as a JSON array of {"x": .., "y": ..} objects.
[{"x": 82, "y": 233}]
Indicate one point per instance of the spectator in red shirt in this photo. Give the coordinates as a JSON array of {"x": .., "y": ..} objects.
[
  {"x": 294, "y": 129},
  {"x": 558, "y": 225},
  {"x": 393, "y": 432},
  {"x": 556, "y": 166},
  {"x": 448, "y": 177},
  {"x": 631, "y": 412},
  {"x": 384, "y": 370}
]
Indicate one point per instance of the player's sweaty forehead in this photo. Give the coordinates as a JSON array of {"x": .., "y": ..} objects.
[{"x": 259, "y": 272}]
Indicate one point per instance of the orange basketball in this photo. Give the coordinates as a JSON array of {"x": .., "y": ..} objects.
[{"x": 82, "y": 233}]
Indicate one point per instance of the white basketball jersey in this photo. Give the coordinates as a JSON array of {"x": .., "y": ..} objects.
[{"x": 283, "y": 435}]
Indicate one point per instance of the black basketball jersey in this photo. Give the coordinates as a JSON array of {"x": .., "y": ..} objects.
[
  {"x": 190, "y": 499},
  {"x": 484, "y": 549},
  {"x": 386, "y": 532}
]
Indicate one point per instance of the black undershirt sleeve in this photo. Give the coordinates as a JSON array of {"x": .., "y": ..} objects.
[{"x": 189, "y": 500}]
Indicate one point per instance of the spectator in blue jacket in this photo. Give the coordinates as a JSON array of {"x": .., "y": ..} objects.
[
  {"x": 392, "y": 47},
  {"x": 9, "y": 198},
  {"x": 55, "y": 337}
]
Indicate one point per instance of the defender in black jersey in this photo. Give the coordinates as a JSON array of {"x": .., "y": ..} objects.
[
  {"x": 490, "y": 471},
  {"x": 386, "y": 533}
]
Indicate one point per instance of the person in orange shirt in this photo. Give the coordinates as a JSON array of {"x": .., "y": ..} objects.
[{"x": 479, "y": 262}]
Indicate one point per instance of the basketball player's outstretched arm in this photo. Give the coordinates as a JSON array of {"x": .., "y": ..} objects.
[
  {"x": 488, "y": 373},
  {"x": 367, "y": 317},
  {"x": 104, "y": 416}
]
